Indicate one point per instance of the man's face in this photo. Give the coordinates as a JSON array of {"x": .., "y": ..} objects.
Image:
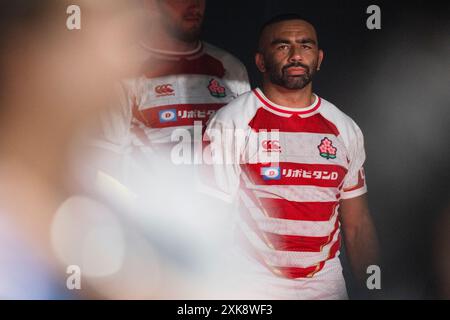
[
  {"x": 289, "y": 54},
  {"x": 182, "y": 18}
]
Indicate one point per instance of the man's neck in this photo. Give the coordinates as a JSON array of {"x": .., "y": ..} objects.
[
  {"x": 300, "y": 98},
  {"x": 159, "y": 39}
]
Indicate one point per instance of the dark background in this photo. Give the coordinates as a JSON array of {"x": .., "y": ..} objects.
[{"x": 395, "y": 84}]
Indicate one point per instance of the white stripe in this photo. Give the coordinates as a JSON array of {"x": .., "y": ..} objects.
[
  {"x": 295, "y": 147},
  {"x": 294, "y": 193},
  {"x": 103, "y": 144},
  {"x": 161, "y": 135},
  {"x": 287, "y": 109},
  {"x": 189, "y": 89},
  {"x": 281, "y": 114},
  {"x": 354, "y": 193},
  {"x": 171, "y": 53},
  {"x": 286, "y": 258},
  {"x": 296, "y": 228},
  {"x": 289, "y": 227}
]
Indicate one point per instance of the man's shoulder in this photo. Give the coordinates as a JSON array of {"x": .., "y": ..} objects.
[
  {"x": 228, "y": 59},
  {"x": 346, "y": 126},
  {"x": 239, "y": 111}
]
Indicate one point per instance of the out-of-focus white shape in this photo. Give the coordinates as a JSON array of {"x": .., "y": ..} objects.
[
  {"x": 86, "y": 233},
  {"x": 111, "y": 187},
  {"x": 179, "y": 241},
  {"x": 143, "y": 275}
]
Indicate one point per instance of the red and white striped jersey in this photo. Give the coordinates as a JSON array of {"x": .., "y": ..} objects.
[
  {"x": 171, "y": 91},
  {"x": 290, "y": 169}
]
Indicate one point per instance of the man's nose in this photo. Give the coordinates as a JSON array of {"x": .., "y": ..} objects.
[
  {"x": 195, "y": 3},
  {"x": 295, "y": 54},
  {"x": 195, "y": 6}
]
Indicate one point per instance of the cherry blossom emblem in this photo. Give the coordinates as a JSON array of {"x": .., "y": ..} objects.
[
  {"x": 216, "y": 89},
  {"x": 326, "y": 149}
]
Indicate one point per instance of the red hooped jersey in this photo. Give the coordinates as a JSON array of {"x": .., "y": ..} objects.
[
  {"x": 289, "y": 170},
  {"x": 172, "y": 91}
]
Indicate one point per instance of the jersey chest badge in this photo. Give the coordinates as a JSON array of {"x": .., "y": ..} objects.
[
  {"x": 326, "y": 149},
  {"x": 216, "y": 90}
]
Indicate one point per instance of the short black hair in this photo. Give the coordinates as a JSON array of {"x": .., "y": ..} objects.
[
  {"x": 276, "y": 19},
  {"x": 280, "y": 18}
]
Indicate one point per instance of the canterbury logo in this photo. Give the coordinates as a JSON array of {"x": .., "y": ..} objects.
[
  {"x": 271, "y": 145},
  {"x": 164, "y": 90}
]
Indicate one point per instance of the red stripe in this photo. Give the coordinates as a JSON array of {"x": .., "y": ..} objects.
[
  {"x": 264, "y": 120},
  {"x": 287, "y": 242},
  {"x": 271, "y": 106},
  {"x": 335, "y": 248},
  {"x": 291, "y": 210},
  {"x": 203, "y": 65},
  {"x": 151, "y": 116},
  {"x": 288, "y": 272},
  {"x": 296, "y": 243},
  {"x": 300, "y": 243},
  {"x": 295, "y": 272},
  {"x": 320, "y": 175},
  {"x": 361, "y": 181}
]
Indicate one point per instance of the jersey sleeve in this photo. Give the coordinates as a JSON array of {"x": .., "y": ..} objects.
[
  {"x": 355, "y": 181},
  {"x": 236, "y": 72},
  {"x": 237, "y": 75},
  {"x": 243, "y": 82},
  {"x": 113, "y": 132},
  {"x": 220, "y": 174}
]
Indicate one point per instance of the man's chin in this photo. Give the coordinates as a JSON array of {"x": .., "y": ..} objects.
[
  {"x": 295, "y": 84},
  {"x": 192, "y": 34}
]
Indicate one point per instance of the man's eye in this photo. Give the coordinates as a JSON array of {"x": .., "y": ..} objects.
[
  {"x": 306, "y": 47},
  {"x": 283, "y": 47}
]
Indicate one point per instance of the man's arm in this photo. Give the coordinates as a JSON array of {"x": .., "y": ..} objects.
[
  {"x": 108, "y": 140},
  {"x": 359, "y": 235}
]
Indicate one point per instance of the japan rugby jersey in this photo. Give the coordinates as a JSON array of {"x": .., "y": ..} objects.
[
  {"x": 172, "y": 91},
  {"x": 289, "y": 170}
]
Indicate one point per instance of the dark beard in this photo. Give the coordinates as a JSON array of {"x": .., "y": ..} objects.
[
  {"x": 181, "y": 33},
  {"x": 281, "y": 78},
  {"x": 189, "y": 36}
]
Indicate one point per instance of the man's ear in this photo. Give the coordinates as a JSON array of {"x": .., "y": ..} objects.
[
  {"x": 319, "y": 63},
  {"x": 259, "y": 60}
]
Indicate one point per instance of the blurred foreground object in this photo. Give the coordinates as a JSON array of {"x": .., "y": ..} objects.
[{"x": 55, "y": 82}]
